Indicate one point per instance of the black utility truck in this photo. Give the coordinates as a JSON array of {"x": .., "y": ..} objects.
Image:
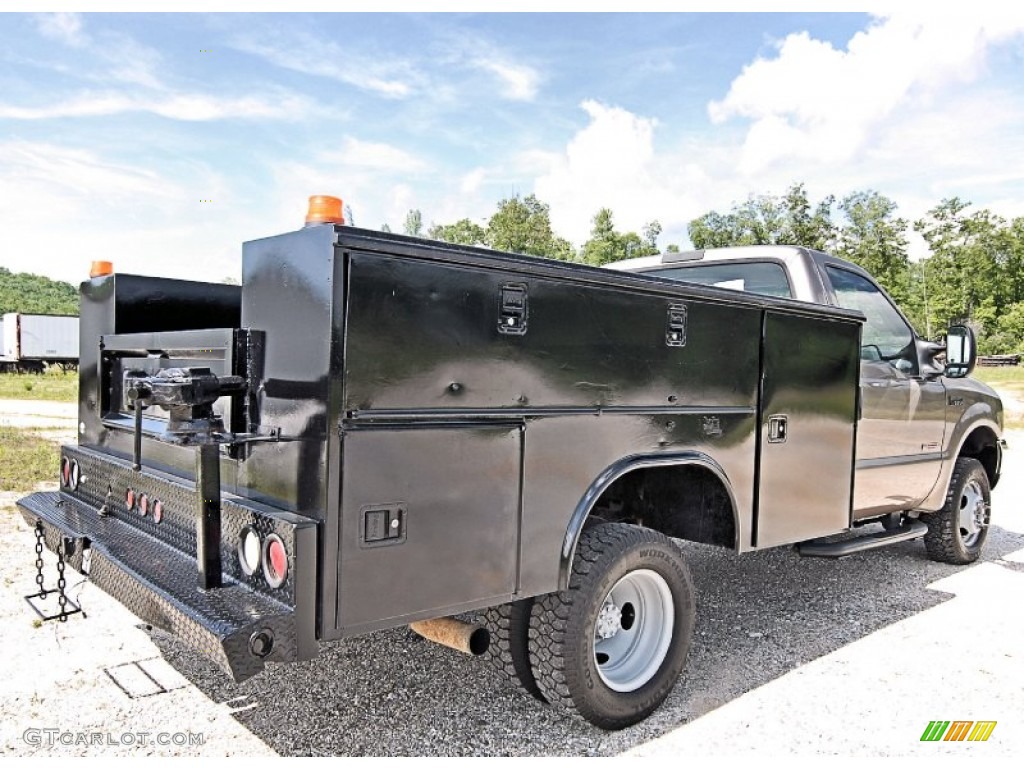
[{"x": 376, "y": 430}]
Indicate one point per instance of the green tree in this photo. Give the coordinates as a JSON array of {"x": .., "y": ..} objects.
[
  {"x": 768, "y": 220},
  {"x": 462, "y": 232},
  {"x": 36, "y": 295},
  {"x": 962, "y": 270},
  {"x": 413, "y": 223},
  {"x": 606, "y": 244},
  {"x": 523, "y": 225},
  {"x": 873, "y": 237},
  {"x": 807, "y": 227},
  {"x": 650, "y": 233}
]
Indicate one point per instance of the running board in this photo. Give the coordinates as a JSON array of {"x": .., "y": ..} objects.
[{"x": 912, "y": 529}]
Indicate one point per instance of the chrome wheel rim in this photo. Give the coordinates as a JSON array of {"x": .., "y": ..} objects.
[
  {"x": 633, "y": 630},
  {"x": 973, "y": 514}
]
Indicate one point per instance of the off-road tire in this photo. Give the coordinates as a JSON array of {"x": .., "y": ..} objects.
[
  {"x": 947, "y": 541},
  {"x": 563, "y": 625},
  {"x": 508, "y": 653}
]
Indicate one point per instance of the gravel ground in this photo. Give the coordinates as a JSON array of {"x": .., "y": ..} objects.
[{"x": 790, "y": 655}]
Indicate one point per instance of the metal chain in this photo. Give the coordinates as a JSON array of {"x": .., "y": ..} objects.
[
  {"x": 62, "y": 599},
  {"x": 39, "y": 561}
]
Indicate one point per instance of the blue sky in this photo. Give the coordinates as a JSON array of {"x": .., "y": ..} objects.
[{"x": 162, "y": 141}]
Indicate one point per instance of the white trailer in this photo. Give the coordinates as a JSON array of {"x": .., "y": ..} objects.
[{"x": 32, "y": 341}]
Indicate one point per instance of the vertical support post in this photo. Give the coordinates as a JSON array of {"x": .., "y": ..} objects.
[
  {"x": 208, "y": 515},
  {"x": 137, "y": 442}
]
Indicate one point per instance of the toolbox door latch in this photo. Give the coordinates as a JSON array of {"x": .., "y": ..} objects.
[
  {"x": 513, "y": 309},
  {"x": 675, "y": 327}
]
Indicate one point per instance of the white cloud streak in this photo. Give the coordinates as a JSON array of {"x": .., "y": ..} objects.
[
  {"x": 134, "y": 68},
  {"x": 193, "y": 107},
  {"x": 324, "y": 58},
  {"x": 519, "y": 82}
]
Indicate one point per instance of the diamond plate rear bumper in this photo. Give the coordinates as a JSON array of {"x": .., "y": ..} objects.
[{"x": 157, "y": 582}]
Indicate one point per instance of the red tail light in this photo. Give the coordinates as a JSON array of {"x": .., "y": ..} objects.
[{"x": 275, "y": 560}]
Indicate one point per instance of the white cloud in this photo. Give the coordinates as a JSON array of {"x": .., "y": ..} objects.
[
  {"x": 471, "y": 182},
  {"x": 134, "y": 67},
  {"x": 611, "y": 163},
  {"x": 314, "y": 56},
  {"x": 814, "y": 102},
  {"x": 195, "y": 107},
  {"x": 519, "y": 81},
  {"x": 376, "y": 155},
  {"x": 62, "y": 27},
  {"x": 147, "y": 222}
]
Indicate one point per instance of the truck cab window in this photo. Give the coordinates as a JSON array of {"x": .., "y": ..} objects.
[
  {"x": 766, "y": 278},
  {"x": 886, "y": 334}
]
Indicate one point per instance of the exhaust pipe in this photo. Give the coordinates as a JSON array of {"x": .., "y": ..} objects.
[{"x": 460, "y": 635}]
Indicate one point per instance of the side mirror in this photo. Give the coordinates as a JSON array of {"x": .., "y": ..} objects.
[{"x": 961, "y": 352}]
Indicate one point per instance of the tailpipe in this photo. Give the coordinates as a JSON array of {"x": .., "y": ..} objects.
[{"x": 460, "y": 635}]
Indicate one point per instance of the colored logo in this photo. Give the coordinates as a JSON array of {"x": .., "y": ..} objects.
[{"x": 958, "y": 730}]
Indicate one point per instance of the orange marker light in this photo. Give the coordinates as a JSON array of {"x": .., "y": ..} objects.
[
  {"x": 101, "y": 268},
  {"x": 324, "y": 209}
]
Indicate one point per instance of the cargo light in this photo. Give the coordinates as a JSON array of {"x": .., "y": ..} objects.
[
  {"x": 101, "y": 269},
  {"x": 275, "y": 561},
  {"x": 324, "y": 209},
  {"x": 249, "y": 546}
]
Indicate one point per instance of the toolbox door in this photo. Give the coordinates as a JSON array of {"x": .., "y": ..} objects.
[
  {"x": 808, "y": 419},
  {"x": 429, "y": 521}
]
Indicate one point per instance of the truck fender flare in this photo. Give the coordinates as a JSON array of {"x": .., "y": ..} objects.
[
  {"x": 937, "y": 496},
  {"x": 612, "y": 473}
]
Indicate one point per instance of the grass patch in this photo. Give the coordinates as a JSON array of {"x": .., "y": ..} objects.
[
  {"x": 52, "y": 385},
  {"x": 1008, "y": 381},
  {"x": 1003, "y": 374},
  {"x": 26, "y": 460}
]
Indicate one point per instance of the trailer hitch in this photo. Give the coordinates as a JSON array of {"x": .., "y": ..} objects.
[{"x": 188, "y": 394}]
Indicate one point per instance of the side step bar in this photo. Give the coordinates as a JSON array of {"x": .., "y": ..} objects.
[{"x": 912, "y": 529}]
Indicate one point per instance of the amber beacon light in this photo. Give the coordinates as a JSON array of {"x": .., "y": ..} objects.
[
  {"x": 324, "y": 209},
  {"x": 101, "y": 268}
]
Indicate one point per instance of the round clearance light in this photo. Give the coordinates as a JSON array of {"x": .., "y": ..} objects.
[
  {"x": 143, "y": 504},
  {"x": 275, "y": 560},
  {"x": 158, "y": 511},
  {"x": 75, "y": 475},
  {"x": 65, "y": 471},
  {"x": 249, "y": 547},
  {"x": 129, "y": 499}
]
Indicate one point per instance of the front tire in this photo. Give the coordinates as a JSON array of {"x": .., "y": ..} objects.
[
  {"x": 612, "y": 645},
  {"x": 957, "y": 532}
]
